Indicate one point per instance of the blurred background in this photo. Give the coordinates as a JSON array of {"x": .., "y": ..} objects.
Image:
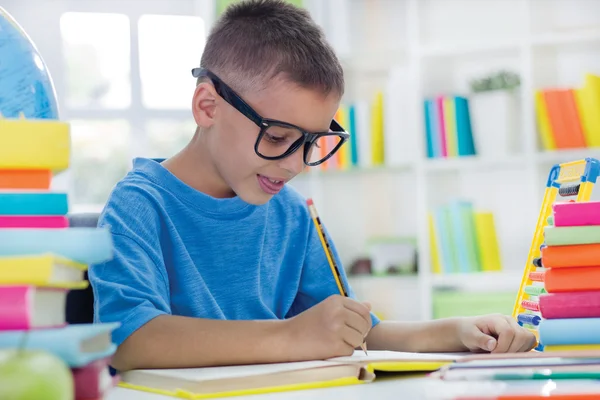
[{"x": 457, "y": 110}]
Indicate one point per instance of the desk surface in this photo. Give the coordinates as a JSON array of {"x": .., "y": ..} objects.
[{"x": 382, "y": 389}]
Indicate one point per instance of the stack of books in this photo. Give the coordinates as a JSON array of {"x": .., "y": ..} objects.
[
  {"x": 569, "y": 303},
  {"x": 42, "y": 258}
]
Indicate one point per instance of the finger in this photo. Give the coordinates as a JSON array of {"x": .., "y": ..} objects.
[
  {"x": 358, "y": 308},
  {"x": 481, "y": 341},
  {"x": 504, "y": 334},
  {"x": 522, "y": 337},
  {"x": 352, "y": 337},
  {"x": 368, "y": 305},
  {"x": 356, "y": 322}
]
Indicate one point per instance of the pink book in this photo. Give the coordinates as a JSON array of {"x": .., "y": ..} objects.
[
  {"x": 440, "y": 112},
  {"x": 577, "y": 214},
  {"x": 33, "y": 221},
  {"x": 93, "y": 380},
  {"x": 30, "y": 307},
  {"x": 570, "y": 305}
]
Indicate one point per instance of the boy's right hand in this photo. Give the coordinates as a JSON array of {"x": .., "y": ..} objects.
[{"x": 335, "y": 327}]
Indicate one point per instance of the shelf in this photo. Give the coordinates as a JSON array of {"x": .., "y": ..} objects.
[
  {"x": 560, "y": 156},
  {"x": 449, "y": 49},
  {"x": 479, "y": 281},
  {"x": 552, "y": 39},
  {"x": 396, "y": 169},
  {"x": 474, "y": 163}
]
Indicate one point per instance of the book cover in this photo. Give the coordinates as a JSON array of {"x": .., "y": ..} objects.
[
  {"x": 33, "y": 203},
  {"x": 33, "y": 221},
  {"x": 77, "y": 345},
  {"x": 34, "y": 144},
  {"x": 46, "y": 270},
  {"x": 84, "y": 245},
  {"x": 30, "y": 307},
  {"x": 30, "y": 179}
]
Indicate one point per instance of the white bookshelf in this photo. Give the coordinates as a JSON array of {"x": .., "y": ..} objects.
[{"x": 442, "y": 43}]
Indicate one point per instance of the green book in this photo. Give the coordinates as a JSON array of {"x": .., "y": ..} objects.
[{"x": 571, "y": 235}]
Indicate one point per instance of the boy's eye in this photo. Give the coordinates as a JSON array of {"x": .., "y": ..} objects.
[{"x": 274, "y": 139}]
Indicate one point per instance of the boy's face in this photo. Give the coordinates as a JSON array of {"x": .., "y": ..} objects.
[{"x": 231, "y": 136}]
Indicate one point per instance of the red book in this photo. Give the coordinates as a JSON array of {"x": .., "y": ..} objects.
[
  {"x": 570, "y": 305},
  {"x": 93, "y": 380}
]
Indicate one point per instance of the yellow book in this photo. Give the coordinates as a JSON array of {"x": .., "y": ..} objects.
[
  {"x": 46, "y": 270},
  {"x": 218, "y": 382},
  {"x": 345, "y": 157},
  {"x": 436, "y": 266},
  {"x": 450, "y": 125},
  {"x": 591, "y": 107},
  {"x": 543, "y": 122},
  {"x": 34, "y": 144},
  {"x": 377, "y": 127},
  {"x": 586, "y": 117},
  {"x": 572, "y": 347},
  {"x": 487, "y": 241}
]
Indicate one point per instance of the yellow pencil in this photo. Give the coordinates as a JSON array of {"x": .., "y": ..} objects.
[{"x": 329, "y": 254}]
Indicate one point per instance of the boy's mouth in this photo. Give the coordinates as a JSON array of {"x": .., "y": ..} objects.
[{"x": 270, "y": 185}]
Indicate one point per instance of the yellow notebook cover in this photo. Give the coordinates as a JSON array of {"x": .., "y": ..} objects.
[
  {"x": 543, "y": 122},
  {"x": 218, "y": 382},
  {"x": 436, "y": 266},
  {"x": 487, "y": 241},
  {"x": 572, "y": 347},
  {"x": 34, "y": 144},
  {"x": 377, "y": 142},
  {"x": 450, "y": 125},
  {"x": 46, "y": 270}
]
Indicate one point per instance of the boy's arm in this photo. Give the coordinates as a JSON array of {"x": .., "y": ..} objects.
[
  {"x": 490, "y": 333},
  {"x": 133, "y": 289}
]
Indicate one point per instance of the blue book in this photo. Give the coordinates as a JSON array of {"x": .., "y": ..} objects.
[
  {"x": 569, "y": 331},
  {"x": 444, "y": 228},
  {"x": 77, "y": 345},
  {"x": 434, "y": 122},
  {"x": 428, "y": 133},
  {"x": 459, "y": 238},
  {"x": 464, "y": 131},
  {"x": 33, "y": 203},
  {"x": 84, "y": 245}
]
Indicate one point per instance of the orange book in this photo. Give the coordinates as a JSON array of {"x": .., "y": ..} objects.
[
  {"x": 559, "y": 280},
  {"x": 556, "y": 106},
  {"x": 25, "y": 179},
  {"x": 580, "y": 255}
]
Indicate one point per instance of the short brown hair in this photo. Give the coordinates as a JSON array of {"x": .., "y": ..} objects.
[{"x": 257, "y": 40}]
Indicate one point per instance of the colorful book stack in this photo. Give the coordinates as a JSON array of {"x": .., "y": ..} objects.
[
  {"x": 463, "y": 240},
  {"x": 42, "y": 258},
  {"x": 567, "y": 310},
  {"x": 448, "y": 127},
  {"x": 568, "y": 117}
]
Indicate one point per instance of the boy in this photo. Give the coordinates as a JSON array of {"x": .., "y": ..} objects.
[{"x": 217, "y": 261}]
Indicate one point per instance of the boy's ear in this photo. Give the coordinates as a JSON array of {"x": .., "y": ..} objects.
[{"x": 204, "y": 104}]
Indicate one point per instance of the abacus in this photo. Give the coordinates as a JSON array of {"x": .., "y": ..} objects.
[{"x": 566, "y": 180}]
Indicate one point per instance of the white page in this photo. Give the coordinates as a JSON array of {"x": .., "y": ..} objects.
[
  {"x": 237, "y": 371},
  {"x": 359, "y": 356}
]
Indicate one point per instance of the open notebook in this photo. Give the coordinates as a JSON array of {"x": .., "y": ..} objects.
[{"x": 197, "y": 383}]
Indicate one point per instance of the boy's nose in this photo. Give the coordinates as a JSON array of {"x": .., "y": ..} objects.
[{"x": 293, "y": 163}]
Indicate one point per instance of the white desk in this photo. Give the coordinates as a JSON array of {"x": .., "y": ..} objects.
[{"x": 383, "y": 389}]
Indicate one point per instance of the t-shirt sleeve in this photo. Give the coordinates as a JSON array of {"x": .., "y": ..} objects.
[
  {"x": 131, "y": 288},
  {"x": 317, "y": 281}
]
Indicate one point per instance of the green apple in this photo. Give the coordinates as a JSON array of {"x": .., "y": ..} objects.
[{"x": 34, "y": 374}]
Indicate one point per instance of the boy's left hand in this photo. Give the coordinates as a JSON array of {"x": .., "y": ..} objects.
[{"x": 495, "y": 333}]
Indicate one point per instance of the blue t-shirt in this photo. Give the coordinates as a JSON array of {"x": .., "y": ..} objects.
[{"x": 179, "y": 251}]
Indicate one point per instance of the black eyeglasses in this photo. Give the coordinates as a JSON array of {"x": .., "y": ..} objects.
[{"x": 278, "y": 139}]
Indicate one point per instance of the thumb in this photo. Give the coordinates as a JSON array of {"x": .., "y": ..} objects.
[{"x": 482, "y": 341}]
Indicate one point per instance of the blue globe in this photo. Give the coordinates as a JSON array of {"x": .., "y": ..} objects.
[{"x": 26, "y": 87}]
